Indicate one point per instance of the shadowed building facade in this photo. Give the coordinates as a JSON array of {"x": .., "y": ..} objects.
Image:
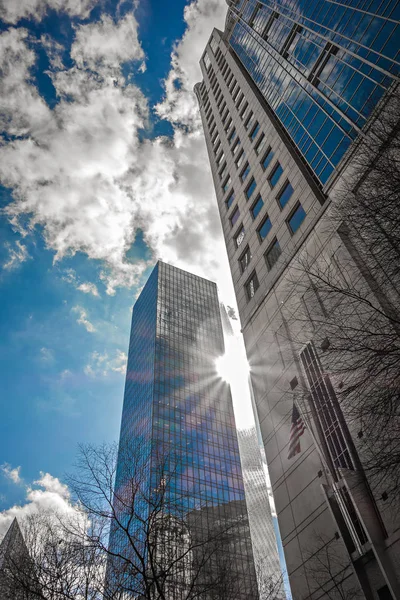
[
  {"x": 176, "y": 405},
  {"x": 289, "y": 92}
]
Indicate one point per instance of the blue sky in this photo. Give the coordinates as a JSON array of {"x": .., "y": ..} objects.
[{"x": 97, "y": 183}]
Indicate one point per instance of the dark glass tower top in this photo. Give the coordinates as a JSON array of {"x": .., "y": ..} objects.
[
  {"x": 174, "y": 399},
  {"x": 321, "y": 66}
]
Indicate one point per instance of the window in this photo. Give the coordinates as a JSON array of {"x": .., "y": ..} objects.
[
  {"x": 255, "y": 14},
  {"x": 222, "y": 171},
  {"x": 245, "y": 172},
  {"x": 249, "y": 120},
  {"x": 245, "y": 259},
  {"x": 220, "y": 157},
  {"x": 235, "y": 216},
  {"x": 252, "y": 286},
  {"x": 254, "y": 131},
  {"x": 269, "y": 155},
  {"x": 243, "y": 112},
  {"x": 228, "y": 124},
  {"x": 250, "y": 188},
  {"x": 207, "y": 61},
  {"x": 285, "y": 194},
  {"x": 274, "y": 16},
  {"x": 227, "y": 183},
  {"x": 296, "y": 218},
  {"x": 232, "y": 136},
  {"x": 257, "y": 206},
  {"x": 264, "y": 229},
  {"x": 236, "y": 146},
  {"x": 275, "y": 175},
  {"x": 239, "y": 237},
  {"x": 214, "y": 45},
  {"x": 272, "y": 254},
  {"x": 230, "y": 199},
  {"x": 327, "y": 408},
  {"x": 239, "y": 100},
  {"x": 259, "y": 147},
  {"x": 240, "y": 158}
]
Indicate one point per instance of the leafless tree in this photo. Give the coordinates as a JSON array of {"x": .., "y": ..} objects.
[
  {"x": 52, "y": 564},
  {"x": 270, "y": 586},
  {"x": 141, "y": 538},
  {"x": 159, "y": 545},
  {"x": 329, "y": 570}
]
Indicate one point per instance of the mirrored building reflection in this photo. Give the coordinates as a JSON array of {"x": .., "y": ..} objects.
[{"x": 179, "y": 413}]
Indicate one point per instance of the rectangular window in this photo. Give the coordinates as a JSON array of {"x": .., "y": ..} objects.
[
  {"x": 275, "y": 175},
  {"x": 274, "y": 16},
  {"x": 239, "y": 237},
  {"x": 259, "y": 147},
  {"x": 207, "y": 61},
  {"x": 249, "y": 120},
  {"x": 228, "y": 124},
  {"x": 235, "y": 93},
  {"x": 227, "y": 184},
  {"x": 230, "y": 199},
  {"x": 232, "y": 136},
  {"x": 285, "y": 194},
  {"x": 245, "y": 172},
  {"x": 269, "y": 155},
  {"x": 327, "y": 408},
  {"x": 296, "y": 218},
  {"x": 243, "y": 112},
  {"x": 220, "y": 157},
  {"x": 222, "y": 171},
  {"x": 236, "y": 146},
  {"x": 235, "y": 216},
  {"x": 239, "y": 100},
  {"x": 254, "y": 131},
  {"x": 245, "y": 259},
  {"x": 240, "y": 159},
  {"x": 272, "y": 254},
  {"x": 264, "y": 228},
  {"x": 250, "y": 188},
  {"x": 252, "y": 286},
  {"x": 257, "y": 206}
]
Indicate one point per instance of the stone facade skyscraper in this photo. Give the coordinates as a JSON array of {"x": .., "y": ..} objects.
[
  {"x": 290, "y": 93},
  {"x": 176, "y": 403}
]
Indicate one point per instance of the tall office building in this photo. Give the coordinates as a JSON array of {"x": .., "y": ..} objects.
[
  {"x": 289, "y": 90},
  {"x": 175, "y": 403}
]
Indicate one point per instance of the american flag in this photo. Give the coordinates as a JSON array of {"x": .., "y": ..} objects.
[{"x": 296, "y": 431}]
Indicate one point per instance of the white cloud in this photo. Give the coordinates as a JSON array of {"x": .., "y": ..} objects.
[
  {"x": 47, "y": 495},
  {"x": 16, "y": 255},
  {"x": 180, "y": 104},
  {"x": 46, "y": 355},
  {"x": 83, "y": 319},
  {"x": 88, "y": 180},
  {"x": 11, "y": 11},
  {"x": 88, "y": 288},
  {"x": 101, "y": 365},
  {"x": 105, "y": 45},
  {"x": 12, "y": 474}
]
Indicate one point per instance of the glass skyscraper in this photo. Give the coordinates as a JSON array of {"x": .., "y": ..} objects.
[
  {"x": 174, "y": 400},
  {"x": 329, "y": 64}
]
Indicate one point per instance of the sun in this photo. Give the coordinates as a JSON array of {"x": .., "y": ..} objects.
[{"x": 233, "y": 365}]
